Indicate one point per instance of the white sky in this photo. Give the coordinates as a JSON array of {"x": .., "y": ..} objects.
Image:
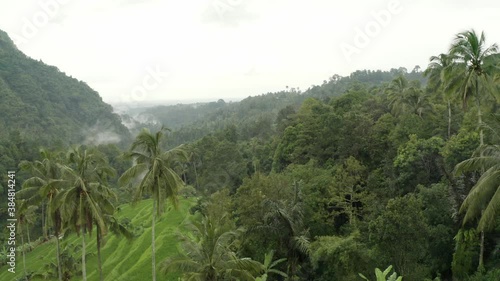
[{"x": 233, "y": 48}]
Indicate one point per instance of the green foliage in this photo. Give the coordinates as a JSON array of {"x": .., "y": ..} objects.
[
  {"x": 486, "y": 276},
  {"x": 338, "y": 258},
  {"x": 269, "y": 266},
  {"x": 338, "y": 179},
  {"x": 208, "y": 253},
  {"x": 221, "y": 165},
  {"x": 316, "y": 185},
  {"x": 484, "y": 198},
  {"x": 459, "y": 147},
  {"x": 438, "y": 212},
  {"x": 271, "y": 209},
  {"x": 399, "y": 236},
  {"x": 153, "y": 171},
  {"x": 70, "y": 264},
  {"x": 466, "y": 253},
  {"x": 418, "y": 162},
  {"x": 54, "y": 107},
  {"x": 382, "y": 275}
]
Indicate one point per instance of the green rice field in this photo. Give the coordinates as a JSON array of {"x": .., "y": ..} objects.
[{"x": 122, "y": 259}]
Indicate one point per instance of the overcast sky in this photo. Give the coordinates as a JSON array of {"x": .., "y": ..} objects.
[{"x": 148, "y": 50}]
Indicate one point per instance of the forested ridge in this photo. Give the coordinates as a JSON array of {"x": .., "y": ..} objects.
[
  {"x": 394, "y": 173},
  {"x": 40, "y": 105}
]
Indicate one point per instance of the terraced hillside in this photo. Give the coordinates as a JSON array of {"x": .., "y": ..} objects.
[{"x": 122, "y": 260}]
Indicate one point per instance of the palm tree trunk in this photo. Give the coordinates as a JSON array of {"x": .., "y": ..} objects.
[
  {"x": 24, "y": 253},
  {"x": 480, "y": 268},
  {"x": 481, "y": 135},
  {"x": 195, "y": 175},
  {"x": 28, "y": 234},
  {"x": 98, "y": 243},
  {"x": 59, "y": 271},
  {"x": 84, "y": 271},
  {"x": 44, "y": 227},
  {"x": 449, "y": 119},
  {"x": 481, "y": 141},
  {"x": 153, "y": 241}
]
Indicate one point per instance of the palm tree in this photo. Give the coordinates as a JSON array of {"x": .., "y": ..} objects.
[
  {"x": 396, "y": 91},
  {"x": 406, "y": 97},
  {"x": 24, "y": 214},
  {"x": 154, "y": 174},
  {"x": 471, "y": 73},
  {"x": 45, "y": 176},
  {"x": 285, "y": 218},
  {"x": 103, "y": 196},
  {"x": 207, "y": 254},
  {"x": 435, "y": 73},
  {"x": 42, "y": 188},
  {"x": 484, "y": 198},
  {"x": 85, "y": 201}
]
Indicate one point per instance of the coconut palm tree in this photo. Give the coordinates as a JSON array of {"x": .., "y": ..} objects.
[
  {"x": 85, "y": 201},
  {"x": 396, "y": 91},
  {"x": 285, "y": 218},
  {"x": 44, "y": 185},
  {"x": 154, "y": 174},
  {"x": 484, "y": 198},
  {"x": 24, "y": 215},
  {"x": 472, "y": 71},
  {"x": 45, "y": 177},
  {"x": 435, "y": 73},
  {"x": 207, "y": 254},
  {"x": 407, "y": 97},
  {"x": 103, "y": 196}
]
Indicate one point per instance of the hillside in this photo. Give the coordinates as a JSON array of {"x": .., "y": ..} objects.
[
  {"x": 254, "y": 116},
  {"x": 122, "y": 260},
  {"x": 42, "y": 105}
]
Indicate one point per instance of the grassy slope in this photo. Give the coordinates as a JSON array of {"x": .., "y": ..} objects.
[{"x": 122, "y": 260}]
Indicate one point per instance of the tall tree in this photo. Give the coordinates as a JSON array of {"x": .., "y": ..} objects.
[
  {"x": 115, "y": 227},
  {"x": 435, "y": 73},
  {"x": 471, "y": 73},
  {"x": 154, "y": 174},
  {"x": 85, "y": 202},
  {"x": 44, "y": 185},
  {"x": 24, "y": 215}
]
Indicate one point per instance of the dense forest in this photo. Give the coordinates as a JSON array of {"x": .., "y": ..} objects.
[
  {"x": 42, "y": 106},
  {"x": 379, "y": 175}
]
